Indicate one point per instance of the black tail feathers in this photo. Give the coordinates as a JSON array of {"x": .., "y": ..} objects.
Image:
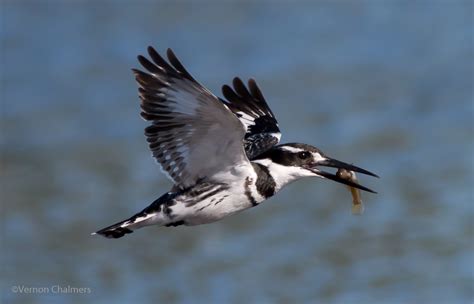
[{"x": 115, "y": 231}]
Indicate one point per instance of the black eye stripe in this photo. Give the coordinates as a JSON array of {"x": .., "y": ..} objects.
[{"x": 288, "y": 156}]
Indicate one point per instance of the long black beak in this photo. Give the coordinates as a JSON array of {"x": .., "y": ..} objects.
[{"x": 328, "y": 162}]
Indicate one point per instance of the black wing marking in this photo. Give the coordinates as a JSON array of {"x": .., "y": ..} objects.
[
  {"x": 262, "y": 132},
  {"x": 192, "y": 133}
]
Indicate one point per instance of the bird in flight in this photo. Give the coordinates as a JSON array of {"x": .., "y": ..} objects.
[{"x": 223, "y": 155}]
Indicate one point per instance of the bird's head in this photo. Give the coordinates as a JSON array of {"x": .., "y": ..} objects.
[{"x": 292, "y": 161}]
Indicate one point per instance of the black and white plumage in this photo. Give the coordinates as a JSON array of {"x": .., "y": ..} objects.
[
  {"x": 192, "y": 134},
  {"x": 249, "y": 105},
  {"x": 222, "y": 155}
]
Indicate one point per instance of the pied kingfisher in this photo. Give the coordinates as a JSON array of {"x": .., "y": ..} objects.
[{"x": 222, "y": 155}]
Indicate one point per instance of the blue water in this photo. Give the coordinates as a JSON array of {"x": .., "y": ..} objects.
[{"x": 386, "y": 85}]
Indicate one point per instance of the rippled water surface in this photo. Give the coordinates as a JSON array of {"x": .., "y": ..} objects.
[{"x": 382, "y": 84}]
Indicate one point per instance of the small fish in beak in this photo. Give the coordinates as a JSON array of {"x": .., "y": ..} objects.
[{"x": 357, "y": 205}]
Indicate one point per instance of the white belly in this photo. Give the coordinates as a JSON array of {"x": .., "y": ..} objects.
[{"x": 238, "y": 197}]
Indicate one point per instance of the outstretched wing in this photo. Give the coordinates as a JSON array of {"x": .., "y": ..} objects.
[
  {"x": 262, "y": 132},
  {"x": 193, "y": 135}
]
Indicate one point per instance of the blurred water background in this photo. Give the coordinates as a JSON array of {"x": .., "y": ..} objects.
[{"x": 382, "y": 84}]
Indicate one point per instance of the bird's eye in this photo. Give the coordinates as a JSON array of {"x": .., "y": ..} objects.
[{"x": 303, "y": 155}]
